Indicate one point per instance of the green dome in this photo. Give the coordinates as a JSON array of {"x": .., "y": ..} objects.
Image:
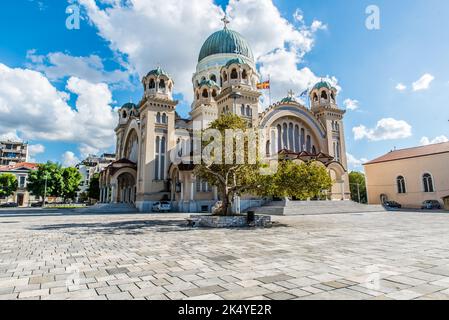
[
  {"x": 129, "y": 105},
  {"x": 157, "y": 72},
  {"x": 323, "y": 84},
  {"x": 225, "y": 41},
  {"x": 209, "y": 83},
  {"x": 236, "y": 60}
]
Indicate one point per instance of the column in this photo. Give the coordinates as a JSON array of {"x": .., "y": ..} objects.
[
  {"x": 113, "y": 194},
  {"x": 101, "y": 195},
  {"x": 192, "y": 190},
  {"x": 182, "y": 191}
]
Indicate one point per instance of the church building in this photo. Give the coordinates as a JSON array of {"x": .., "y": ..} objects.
[{"x": 225, "y": 81}]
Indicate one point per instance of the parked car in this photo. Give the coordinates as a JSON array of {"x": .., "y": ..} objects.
[
  {"x": 392, "y": 204},
  {"x": 161, "y": 206},
  {"x": 9, "y": 205},
  {"x": 431, "y": 204}
]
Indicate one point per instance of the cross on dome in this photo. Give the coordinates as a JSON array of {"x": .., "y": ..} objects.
[
  {"x": 226, "y": 21},
  {"x": 291, "y": 93}
]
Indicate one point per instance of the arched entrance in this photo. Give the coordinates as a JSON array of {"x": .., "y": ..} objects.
[{"x": 126, "y": 185}]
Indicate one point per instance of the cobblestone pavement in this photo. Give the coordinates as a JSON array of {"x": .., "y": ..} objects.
[{"x": 352, "y": 256}]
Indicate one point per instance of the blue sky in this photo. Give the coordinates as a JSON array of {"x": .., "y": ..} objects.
[{"x": 369, "y": 64}]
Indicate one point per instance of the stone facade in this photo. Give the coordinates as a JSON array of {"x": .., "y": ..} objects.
[{"x": 225, "y": 81}]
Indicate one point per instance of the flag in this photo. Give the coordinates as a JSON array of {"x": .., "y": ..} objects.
[
  {"x": 304, "y": 93},
  {"x": 264, "y": 85}
]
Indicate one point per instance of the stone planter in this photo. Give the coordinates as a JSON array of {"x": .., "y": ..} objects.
[{"x": 228, "y": 222}]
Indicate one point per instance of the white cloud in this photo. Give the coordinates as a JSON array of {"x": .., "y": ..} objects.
[
  {"x": 317, "y": 25},
  {"x": 423, "y": 83},
  {"x": 34, "y": 109},
  {"x": 355, "y": 163},
  {"x": 183, "y": 26},
  {"x": 351, "y": 104},
  {"x": 401, "y": 87},
  {"x": 35, "y": 149},
  {"x": 69, "y": 159},
  {"x": 10, "y": 135},
  {"x": 426, "y": 141},
  {"x": 58, "y": 65},
  {"x": 386, "y": 129},
  {"x": 298, "y": 15}
]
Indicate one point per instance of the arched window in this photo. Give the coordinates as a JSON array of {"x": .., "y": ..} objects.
[
  {"x": 159, "y": 164},
  {"x": 314, "y": 150},
  {"x": 156, "y": 160},
  {"x": 213, "y": 77},
  {"x": 428, "y": 183},
  {"x": 324, "y": 95},
  {"x": 303, "y": 139},
  {"x": 315, "y": 97},
  {"x": 162, "y": 84},
  {"x": 267, "y": 148},
  {"x": 309, "y": 144},
  {"x": 290, "y": 137},
  {"x": 242, "y": 110},
  {"x": 401, "y": 184},
  {"x": 164, "y": 118},
  {"x": 284, "y": 136},
  {"x": 279, "y": 146},
  {"x": 297, "y": 138},
  {"x": 214, "y": 93},
  {"x": 152, "y": 84},
  {"x": 158, "y": 117},
  {"x": 197, "y": 96},
  {"x": 248, "y": 111},
  {"x": 205, "y": 93},
  {"x": 124, "y": 114},
  {"x": 234, "y": 74},
  {"x": 203, "y": 78},
  {"x": 332, "y": 96},
  {"x": 244, "y": 75},
  {"x": 225, "y": 76}
]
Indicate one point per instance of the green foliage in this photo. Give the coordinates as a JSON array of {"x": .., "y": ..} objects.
[
  {"x": 72, "y": 179},
  {"x": 358, "y": 178},
  {"x": 59, "y": 182},
  {"x": 8, "y": 184},
  {"x": 93, "y": 191},
  {"x": 297, "y": 180},
  {"x": 55, "y": 181},
  {"x": 230, "y": 179}
]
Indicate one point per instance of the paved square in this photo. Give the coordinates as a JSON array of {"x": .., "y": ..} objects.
[{"x": 351, "y": 256}]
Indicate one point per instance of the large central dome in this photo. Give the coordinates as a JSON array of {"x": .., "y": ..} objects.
[{"x": 225, "y": 41}]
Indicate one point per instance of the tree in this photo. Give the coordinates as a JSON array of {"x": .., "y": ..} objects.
[
  {"x": 50, "y": 174},
  {"x": 71, "y": 182},
  {"x": 8, "y": 184},
  {"x": 307, "y": 180},
  {"x": 93, "y": 191},
  {"x": 230, "y": 179},
  {"x": 358, "y": 179}
]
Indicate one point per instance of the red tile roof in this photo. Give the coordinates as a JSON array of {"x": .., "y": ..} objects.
[
  {"x": 412, "y": 153},
  {"x": 28, "y": 165}
]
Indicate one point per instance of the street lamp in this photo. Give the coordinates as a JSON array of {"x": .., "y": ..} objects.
[
  {"x": 45, "y": 190},
  {"x": 358, "y": 190}
]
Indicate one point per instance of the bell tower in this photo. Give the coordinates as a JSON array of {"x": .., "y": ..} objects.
[{"x": 323, "y": 97}]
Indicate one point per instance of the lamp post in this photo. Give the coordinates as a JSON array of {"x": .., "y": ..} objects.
[
  {"x": 45, "y": 190},
  {"x": 358, "y": 190}
]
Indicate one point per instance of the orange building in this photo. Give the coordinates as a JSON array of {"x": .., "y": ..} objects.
[{"x": 410, "y": 176}]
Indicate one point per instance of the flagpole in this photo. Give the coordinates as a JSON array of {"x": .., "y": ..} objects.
[{"x": 269, "y": 87}]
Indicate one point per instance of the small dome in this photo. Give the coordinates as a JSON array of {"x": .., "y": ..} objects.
[
  {"x": 225, "y": 41},
  {"x": 158, "y": 72},
  {"x": 129, "y": 105},
  {"x": 236, "y": 60},
  {"x": 323, "y": 84},
  {"x": 209, "y": 83}
]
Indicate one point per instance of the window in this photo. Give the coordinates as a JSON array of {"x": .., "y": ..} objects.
[
  {"x": 152, "y": 84},
  {"x": 22, "y": 182},
  {"x": 213, "y": 78},
  {"x": 242, "y": 109},
  {"x": 234, "y": 74},
  {"x": 159, "y": 168},
  {"x": 315, "y": 97},
  {"x": 401, "y": 184},
  {"x": 164, "y": 118},
  {"x": 162, "y": 84},
  {"x": 205, "y": 93},
  {"x": 214, "y": 93},
  {"x": 244, "y": 75},
  {"x": 303, "y": 139},
  {"x": 202, "y": 186},
  {"x": 309, "y": 144},
  {"x": 248, "y": 111},
  {"x": 225, "y": 76},
  {"x": 324, "y": 95},
  {"x": 158, "y": 117},
  {"x": 428, "y": 183},
  {"x": 297, "y": 142}
]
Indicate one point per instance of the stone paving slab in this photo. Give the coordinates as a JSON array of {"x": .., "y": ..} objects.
[{"x": 402, "y": 255}]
